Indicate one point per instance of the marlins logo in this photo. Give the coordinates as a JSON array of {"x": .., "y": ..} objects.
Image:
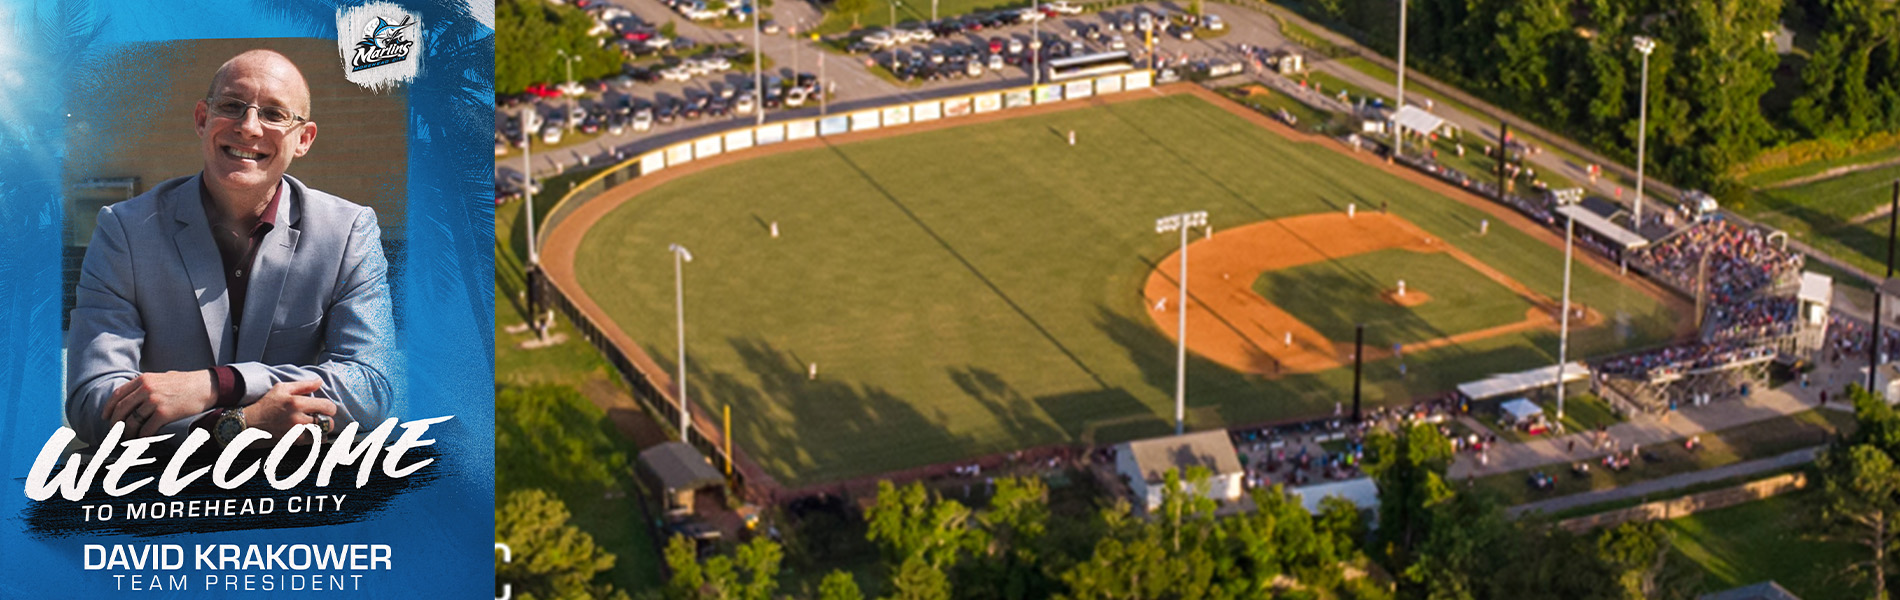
[{"x": 383, "y": 43}]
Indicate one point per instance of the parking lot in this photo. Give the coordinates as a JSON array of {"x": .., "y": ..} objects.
[{"x": 707, "y": 100}]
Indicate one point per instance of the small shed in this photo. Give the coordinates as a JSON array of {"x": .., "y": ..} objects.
[
  {"x": 1520, "y": 411},
  {"x": 1146, "y": 462},
  {"x": 1886, "y": 381},
  {"x": 681, "y": 471},
  {"x": 1361, "y": 492}
]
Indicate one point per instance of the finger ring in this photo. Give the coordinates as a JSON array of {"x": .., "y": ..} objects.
[{"x": 324, "y": 423}]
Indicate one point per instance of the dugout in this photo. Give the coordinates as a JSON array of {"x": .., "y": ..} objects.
[
  {"x": 1594, "y": 226},
  {"x": 680, "y": 472}
]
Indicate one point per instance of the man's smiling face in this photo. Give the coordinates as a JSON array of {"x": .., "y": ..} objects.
[{"x": 244, "y": 156}]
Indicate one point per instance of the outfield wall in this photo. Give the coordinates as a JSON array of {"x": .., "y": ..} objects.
[{"x": 633, "y": 364}]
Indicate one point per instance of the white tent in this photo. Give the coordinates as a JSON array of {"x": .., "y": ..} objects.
[
  {"x": 1520, "y": 410},
  {"x": 1513, "y": 383},
  {"x": 1413, "y": 118}
]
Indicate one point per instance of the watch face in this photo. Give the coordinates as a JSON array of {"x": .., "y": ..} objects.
[{"x": 229, "y": 426}]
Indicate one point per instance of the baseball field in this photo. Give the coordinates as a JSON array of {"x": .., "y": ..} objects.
[{"x": 986, "y": 287}]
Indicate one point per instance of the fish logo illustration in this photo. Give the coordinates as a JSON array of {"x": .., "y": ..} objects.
[
  {"x": 380, "y": 44},
  {"x": 383, "y": 43}
]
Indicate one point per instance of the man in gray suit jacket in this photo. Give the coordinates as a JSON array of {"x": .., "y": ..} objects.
[{"x": 239, "y": 297}]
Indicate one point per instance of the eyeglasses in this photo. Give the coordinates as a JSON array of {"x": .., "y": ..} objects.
[{"x": 276, "y": 117}]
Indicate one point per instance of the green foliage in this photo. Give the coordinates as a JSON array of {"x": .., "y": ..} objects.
[
  {"x": 751, "y": 575},
  {"x": 551, "y": 435},
  {"x": 917, "y": 579},
  {"x": 1853, "y": 77},
  {"x": 529, "y": 36},
  {"x": 911, "y": 524},
  {"x": 1861, "y": 486},
  {"x": 1410, "y": 470},
  {"x": 839, "y": 585},
  {"x": 551, "y": 558}
]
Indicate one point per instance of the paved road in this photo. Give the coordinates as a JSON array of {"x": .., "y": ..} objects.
[{"x": 1653, "y": 487}]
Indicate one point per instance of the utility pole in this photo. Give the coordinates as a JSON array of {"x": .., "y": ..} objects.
[{"x": 1644, "y": 45}]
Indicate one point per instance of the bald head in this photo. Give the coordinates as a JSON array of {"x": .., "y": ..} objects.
[{"x": 268, "y": 65}]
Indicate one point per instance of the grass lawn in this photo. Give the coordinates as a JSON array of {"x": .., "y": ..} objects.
[
  {"x": 1761, "y": 439},
  {"x": 522, "y": 460},
  {"x": 1268, "y": 102},
  {"x": 1332, "y": 85},
  {"x": 1582, "y": 412},
  {"x": 1775, "y": 538},
  {"x": 1821, "y": 214},
  {"x": 1727, "y": 482},
  {"x": 1333, "y": 296},
  {"x": 1772, "y": 176},
  {"x": 974, "y": 289}
]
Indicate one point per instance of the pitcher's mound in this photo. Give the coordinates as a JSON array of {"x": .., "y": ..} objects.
[{"x": 1410, "y": 299}]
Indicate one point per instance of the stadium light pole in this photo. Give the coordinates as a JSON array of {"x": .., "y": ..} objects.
[
  {"x": 758, "y": 64},
  {"x": 681, "y": 255},
  {"x": 569, "y": 59},
  {"x": 1182, "y": 222},
  {"x": 1398, "y": 135},
  {"x": 1035, "y": 48},
  {"x": 1565, "y": 197},
  {"x": 532, "y": 272},
  {"x": 1645, "y": 45}
]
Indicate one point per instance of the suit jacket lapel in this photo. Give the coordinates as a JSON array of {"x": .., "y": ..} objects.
[
  {"x": 200, "y": 255},
  {"x": 274, "y": 260}
]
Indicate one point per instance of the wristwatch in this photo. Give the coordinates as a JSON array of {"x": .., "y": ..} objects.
[{"x": 229, "y": 425}]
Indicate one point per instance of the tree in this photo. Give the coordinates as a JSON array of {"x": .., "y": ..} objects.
[
  {"x": 839, "y": 585},
  {"x": 529, "y": 36},
  {"x": 753, "y": 575},
  {"x": 917, "y": 579},
  {"x": 1641, "y": 559},
  {"x": 1861, "y": 498},
  {"x": 1467, "y": 542},
  {"x": 551, "y": 558},
  {"x": 1409, "y": 469},
  {"x": 1017, "y": 519},
  {"x": 909, "y": 523}
]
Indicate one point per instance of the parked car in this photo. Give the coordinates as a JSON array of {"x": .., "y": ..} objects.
[
  {"x": 1062, "y": 7},
  {"x": 551, "y": 134},
  {"x": 676, "y": 73},
  {"x": 1213, "y": 22},
  {"x": 796, "y": 97},
  {"x": 643, "y": 119},
  {"x": 996, "y": 62}
]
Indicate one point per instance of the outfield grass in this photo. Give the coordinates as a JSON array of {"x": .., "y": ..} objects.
[
  {"x": 976, "y": 289},
  {"x": 1777, "y": 538},
  {"x": 1335, "y": 296}
]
